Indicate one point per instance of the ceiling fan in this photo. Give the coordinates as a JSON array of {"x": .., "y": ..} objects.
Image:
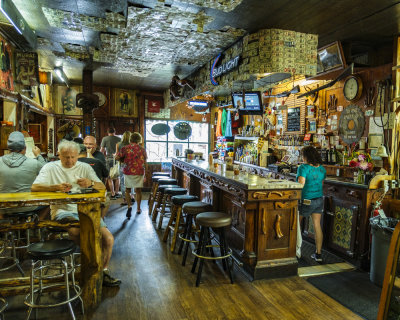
[{"x": 346, "y": 72}]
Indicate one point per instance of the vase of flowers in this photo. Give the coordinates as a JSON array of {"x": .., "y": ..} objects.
[{"x": 361, "y": 161}]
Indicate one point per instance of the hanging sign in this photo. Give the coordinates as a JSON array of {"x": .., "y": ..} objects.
[
  {"x": 222, "y": 69},
  {"x": 351, "y": 124}
]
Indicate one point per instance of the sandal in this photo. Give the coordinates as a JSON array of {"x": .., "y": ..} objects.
[
  {"x": 139, "y": 211},
  {"x": 123, "y": 204}
]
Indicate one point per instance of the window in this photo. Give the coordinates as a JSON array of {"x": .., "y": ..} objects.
[{"x": 159, "y": 147}]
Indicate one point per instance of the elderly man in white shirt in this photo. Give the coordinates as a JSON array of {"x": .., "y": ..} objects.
[{"x": 66, "y": 175}]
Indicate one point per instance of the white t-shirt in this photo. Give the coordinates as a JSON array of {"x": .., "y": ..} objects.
[{"x": 54, "y": 173}]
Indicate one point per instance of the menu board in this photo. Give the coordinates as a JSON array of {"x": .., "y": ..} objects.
[{"x": 293, "y": 119}]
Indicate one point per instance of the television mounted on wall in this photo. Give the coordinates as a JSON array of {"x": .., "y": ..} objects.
[{"x": 251, "y": 104}]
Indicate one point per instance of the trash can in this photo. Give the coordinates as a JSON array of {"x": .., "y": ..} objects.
[{"x": 382, "y": 230}]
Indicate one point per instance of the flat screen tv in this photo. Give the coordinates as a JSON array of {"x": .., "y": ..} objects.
[{"x": 252, "y": 102}]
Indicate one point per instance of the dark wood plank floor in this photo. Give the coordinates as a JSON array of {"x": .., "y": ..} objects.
[{"x": 156, "y": 286}]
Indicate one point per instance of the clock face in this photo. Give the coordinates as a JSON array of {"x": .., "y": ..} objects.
[
  {"x": 352, "y": 88},
  {"x": 102, "y": 98}
]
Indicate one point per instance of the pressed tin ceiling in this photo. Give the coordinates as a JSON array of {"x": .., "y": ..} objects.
[{"x": 143, "y": 43}]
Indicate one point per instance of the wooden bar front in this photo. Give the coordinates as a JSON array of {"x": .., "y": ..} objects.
[{"x": 263, "y": 233}]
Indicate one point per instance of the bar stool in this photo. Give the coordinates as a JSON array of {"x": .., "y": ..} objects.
[
  {"x": 160, "y": 199},
  {"x": 13, "y": 239},
  {"x": 191, "y": 209},
  {"x": 157, "y": 198},
  {"x": 3, "y": 306},
  {"x": 176, "y": 214},
  {"x": 168, "y": 193},
  {"x": 41, "y": 254},
  {"x": 154, "y": 178},
  {"x": 217, "y": 221},
  {"x": 153, "y": 192}
]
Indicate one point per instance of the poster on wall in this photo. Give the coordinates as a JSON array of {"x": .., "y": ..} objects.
[
  {"x": 6, "y": 63},
  {"x": 124, "y": 103},
  {"x": 66, "y": 100},
  {"x": 26, "y": 68}
]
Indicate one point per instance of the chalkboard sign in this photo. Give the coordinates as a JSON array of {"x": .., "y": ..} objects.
[{"x": 293, "y": 119}]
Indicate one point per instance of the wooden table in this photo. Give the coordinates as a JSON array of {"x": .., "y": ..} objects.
[{"x": 90, "y": 238}]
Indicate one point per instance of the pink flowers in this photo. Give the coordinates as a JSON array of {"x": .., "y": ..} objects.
[{"x": 361, "y": 161}]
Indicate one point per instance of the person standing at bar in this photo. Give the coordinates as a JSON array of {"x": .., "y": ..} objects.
[
  {"x": 134, "y": 158},
  {"x": 108, "y": 146},
  {"x": 311, "y": 175},
  {"x": 124, "y": 142}
]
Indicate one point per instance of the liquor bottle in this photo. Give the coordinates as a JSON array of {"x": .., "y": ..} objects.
[{"x": 333, "y": 159}]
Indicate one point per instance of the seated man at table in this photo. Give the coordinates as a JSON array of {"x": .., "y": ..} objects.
[
  {"x": 17, "y": 172},
  {"x": 91, "y": 148},
  {"x": 68, "y": 174}
]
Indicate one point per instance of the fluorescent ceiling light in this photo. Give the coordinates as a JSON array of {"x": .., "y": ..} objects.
[
  {"x": 8, "y": 17},
  {"x": 10, "y": 11}
]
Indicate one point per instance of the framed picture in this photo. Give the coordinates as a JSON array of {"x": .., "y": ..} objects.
[
  {"x": 312, "y": 126},
  {"x": 26, "y": 68},
  {"x": 375, "y": 140},
  {"x": 124, "y": 103},
  {"x": 66, "y": 100},
  {"x": 330, "y": 58},
  {"x": 35, "y": 131}
]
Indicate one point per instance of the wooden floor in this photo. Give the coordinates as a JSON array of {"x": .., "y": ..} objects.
[{"x": 156, "y": 286}]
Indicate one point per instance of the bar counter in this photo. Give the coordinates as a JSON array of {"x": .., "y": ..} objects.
[{"x": 263, "y": 233}]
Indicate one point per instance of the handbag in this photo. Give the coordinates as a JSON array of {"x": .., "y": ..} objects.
[{"x": 114, "y": 171}]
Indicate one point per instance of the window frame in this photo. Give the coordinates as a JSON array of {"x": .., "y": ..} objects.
[{"x": 186, "y": 141}]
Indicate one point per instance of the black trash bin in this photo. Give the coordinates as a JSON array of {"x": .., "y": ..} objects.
[{"x": 382, "y": 230}]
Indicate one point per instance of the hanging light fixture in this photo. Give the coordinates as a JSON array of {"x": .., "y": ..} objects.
[{"x": 61, "y": 75}]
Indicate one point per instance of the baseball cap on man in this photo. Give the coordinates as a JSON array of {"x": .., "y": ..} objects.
[{"x": 16, "y": 141}]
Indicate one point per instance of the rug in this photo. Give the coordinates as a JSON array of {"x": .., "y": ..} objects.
[{"x": 352, "y": 289}]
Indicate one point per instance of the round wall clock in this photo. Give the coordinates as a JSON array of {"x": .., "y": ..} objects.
[
  {"x": 352, "y": 88},
  {"x": 102, "y": 98}
]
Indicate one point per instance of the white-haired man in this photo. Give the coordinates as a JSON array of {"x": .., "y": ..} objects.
[{"x": 68, "y": 174}]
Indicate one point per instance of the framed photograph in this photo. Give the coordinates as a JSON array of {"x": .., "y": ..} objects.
[
  {"x": 312, "y": 126},
  {"x": 375, "y": 140},
  {"x": 35, "y": 131},
  {"x": 124, "y": 103},
  {"x": 66, "y": 100},
  {"x": 330, "y": 58}
]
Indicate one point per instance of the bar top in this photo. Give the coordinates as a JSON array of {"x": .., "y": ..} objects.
[{"x": 243, "y": 180}]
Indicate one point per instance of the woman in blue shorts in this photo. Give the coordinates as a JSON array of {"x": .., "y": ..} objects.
[{"x": 311, "y": 175}]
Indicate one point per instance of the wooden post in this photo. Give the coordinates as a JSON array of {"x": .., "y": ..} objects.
[{"x": 91, "y": 274}]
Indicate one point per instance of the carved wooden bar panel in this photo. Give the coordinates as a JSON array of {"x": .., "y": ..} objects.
[{"x": 264, "y": 220}]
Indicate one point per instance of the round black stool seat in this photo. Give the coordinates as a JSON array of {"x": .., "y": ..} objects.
[
  {"x": 165, "y": 174},
  {"x": 214, "y": 219},
  {"x": 167, "y": 181},
  {"x": 166, "y": 186},
  {"x": 175, "y": 191},
  {"x": 156, "y": 178},
  {"x": 51, "y": 249},
  {"x": 182, "y": 199},
  {"x": 195, "y": 207}
]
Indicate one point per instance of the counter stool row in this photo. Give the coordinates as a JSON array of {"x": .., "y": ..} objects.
[{"x": 166, "y": 194}]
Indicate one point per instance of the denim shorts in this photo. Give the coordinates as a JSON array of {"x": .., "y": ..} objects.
[
  {"x": 75, "y": 216},
  {"x": 316, "y": 206}
]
